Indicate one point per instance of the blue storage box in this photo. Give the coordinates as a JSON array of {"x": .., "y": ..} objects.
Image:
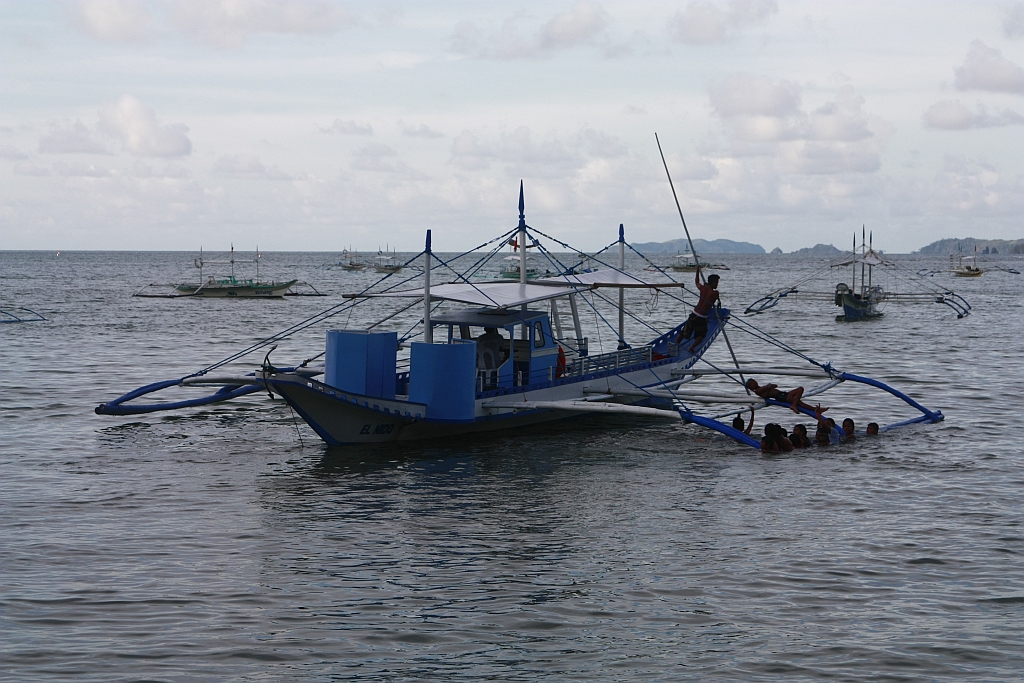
[{"x": 361, "y": 362}]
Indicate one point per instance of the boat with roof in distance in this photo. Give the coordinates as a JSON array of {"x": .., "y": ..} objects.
[
  {"x": 498, "y": 355},
  {"x": 687, "y": 263},
  {"x": 961, "y": 269},
  {"x": 229, "y": 285},
  {"x": 387, "y": 262},
  {"x": 867, "y": 294},
  {"x": 350, "y": 261}
]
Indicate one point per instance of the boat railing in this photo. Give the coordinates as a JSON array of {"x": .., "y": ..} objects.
[{"x": 615, "y": 360}]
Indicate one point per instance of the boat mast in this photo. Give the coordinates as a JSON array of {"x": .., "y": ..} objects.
[
  {"x": 428, "y": 329},
  {"x": 863, "y": 289},
  {"x": 871, "y": 248},
  {"x": 522, "y": 251},
  {"x": 853, "y": 289},
  {"x": 232, "y": 260},
  {"x": 622, "y": 291}
]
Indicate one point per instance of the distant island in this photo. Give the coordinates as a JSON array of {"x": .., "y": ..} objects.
[
  {"x": 944, "y": 247},
  {"x": 955, "y": 245},
  {"x": 679, "y": 246}
]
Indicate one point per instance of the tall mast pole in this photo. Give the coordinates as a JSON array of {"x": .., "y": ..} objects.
[
  {"x": 696, "y": 260},
  {"x": 428, "y": 329},
  {"x": 622, "y": 291},
  {"x": 522, "y": 251},
  {"x": 863, "y": 287}
]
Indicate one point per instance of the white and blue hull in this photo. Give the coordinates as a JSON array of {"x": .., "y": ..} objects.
[{"x": 344, "y": 418}]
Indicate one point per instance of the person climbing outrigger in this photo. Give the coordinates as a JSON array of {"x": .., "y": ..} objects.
[{"x": 697, "y": 323}]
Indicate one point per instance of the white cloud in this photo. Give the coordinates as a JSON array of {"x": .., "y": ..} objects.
[
  {"x": 349, "y": 127},
  {"x": 755, "y": 96},
  {"x": 1013, "y": 22},
  {"x": 469, "y": 154},
  {"x": 228, "y": 23},
  {"x": 115, "y": 21},
  {"x": 143, "y": 170},
  {"x": 985, "y": 68},
  {"x": 705, "y": 23},
  {"x": 420, "y": 131},
  {"x": 11, "y": 153},
  {"x": 30, "y": 169},
  {"x": 519, "y": 36},
  {"x": 954, "y": 115},
  {"x": 569, "y": 29},
  {"x": 373, "y": 157},
  {"x": 136, "y": 126},
  {"x": 247, "y": 167},
  {"x": 71, "y": 138},
  {"x": 80, "y": 170}
]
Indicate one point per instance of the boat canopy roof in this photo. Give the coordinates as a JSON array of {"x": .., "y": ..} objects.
[
  {"x": 508, "y": 294},
  {"x": 871, "y": 258},
  {"x": 487, "y": 317}
]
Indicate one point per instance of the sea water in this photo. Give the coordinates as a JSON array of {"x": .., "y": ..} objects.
[{"x": 229, "y": 543}]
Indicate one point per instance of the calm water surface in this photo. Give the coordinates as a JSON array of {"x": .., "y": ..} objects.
[{"x": 229, "y": 543}]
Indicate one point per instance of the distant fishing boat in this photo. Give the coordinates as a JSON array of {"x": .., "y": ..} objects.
[
  {"x": 387, "y": 263},
  {"x": 863, "y": 299},
  {"x": 227, "y": 286},
  {"x": 962, "y": 269},
  {"x": 350, "y": 261},
  {"x": 686, "y": 263}
]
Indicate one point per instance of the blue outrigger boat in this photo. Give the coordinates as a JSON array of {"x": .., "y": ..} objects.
[{"x": 487, "y": 356}]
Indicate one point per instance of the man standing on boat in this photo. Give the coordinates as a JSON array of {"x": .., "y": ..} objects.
[{"x": 697, "y": 323}]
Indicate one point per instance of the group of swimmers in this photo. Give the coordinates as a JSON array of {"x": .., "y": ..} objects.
[{"x": 777, "y": 440}]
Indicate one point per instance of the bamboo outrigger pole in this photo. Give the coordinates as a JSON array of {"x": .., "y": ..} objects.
[{"x": 696, "y": 260}]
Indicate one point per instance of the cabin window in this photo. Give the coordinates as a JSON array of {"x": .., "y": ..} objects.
[{"x": 538, "y": 335}]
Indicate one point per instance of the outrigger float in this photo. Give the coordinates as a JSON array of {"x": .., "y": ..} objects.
[{"x": 489, "y": 356}]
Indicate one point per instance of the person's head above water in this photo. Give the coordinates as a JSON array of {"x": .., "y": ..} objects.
[
  {"x": 872, "y": 428},
  {"x": 848, "y": 426}
]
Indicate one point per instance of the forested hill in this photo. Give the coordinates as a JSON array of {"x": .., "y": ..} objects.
[
  {"x": 680, "y": 245},
  {"x": 955, "y": 245}
]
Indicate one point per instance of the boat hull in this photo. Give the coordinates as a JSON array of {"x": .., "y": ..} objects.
[
  {"x": 342, "y": 418},
  {"x": 857, "y": 309},
  {"x": 241, "y": 291}
]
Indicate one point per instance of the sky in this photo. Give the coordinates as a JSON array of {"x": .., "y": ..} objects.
[{"x": 313, "y": 125}]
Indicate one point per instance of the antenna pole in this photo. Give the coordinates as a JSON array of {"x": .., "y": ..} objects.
[
  {"x": 696, "y": 260},
  {"x": 678, "y": 207},
  {"x": 428, "y": 328},
  {"x": 622, "y": 292}
]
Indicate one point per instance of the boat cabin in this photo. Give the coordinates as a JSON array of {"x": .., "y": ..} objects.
[{"x": 513, "y": 348}]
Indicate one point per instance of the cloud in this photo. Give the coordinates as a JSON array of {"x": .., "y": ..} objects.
[
  {"x": 228, "y": 23},
  {"x": 744, "y": 95},
  {"x": 136, "y": 126},
  {"x": 247, "y": 167},
  {"x": 349, "y": 127},
  {"x": 705, "y": 23},
  {"x": 1013, "y": 22},
  {"x": 519, "y": 36},
  {"x": 143, "y": 170},
  {"x": 763, "y": 118},
  {"x": 421, "y": 131},
  {"x": 11, "y": 153},
  {"x": 520, "y": 151},
  {"x": 985, "y": 68},
  {"x": 115, "y": 21},
  {"x": 569, "y": 29},
  {"x": 470, "y": 154},
  {"x": 71, "y": 138},
  {"x": 954, "y": 115},
  {"x": 373, "y": 157},
  {"x": 30, "y": 170},
  {"x": 80, "y": 170}
]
